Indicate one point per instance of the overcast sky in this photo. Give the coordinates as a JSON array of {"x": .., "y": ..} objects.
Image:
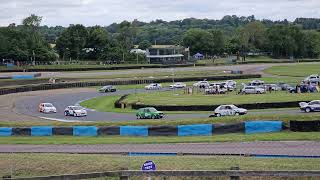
[{"x": 105, "y": 12}]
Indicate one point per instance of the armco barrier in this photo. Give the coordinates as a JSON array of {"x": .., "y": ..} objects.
[
  {"x": 39, "y": 87},
  {"x": 212, "y": 107},
  {"x": 305, "y": 126},
  {"x": 263, "y": 126},
  {"x": 182, "y": 130}
]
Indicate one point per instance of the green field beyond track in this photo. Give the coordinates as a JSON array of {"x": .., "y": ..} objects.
[{"x": 298, "y": 70}]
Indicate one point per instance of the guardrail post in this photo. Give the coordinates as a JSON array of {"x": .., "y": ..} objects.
[{"x": 235, "y": 177}]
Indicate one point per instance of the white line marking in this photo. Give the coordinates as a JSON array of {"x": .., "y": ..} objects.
[{"x": 62, "y": 120}]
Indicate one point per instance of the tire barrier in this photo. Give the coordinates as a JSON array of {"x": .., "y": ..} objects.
[
  {"x": 47, "y": 86},
  {"x": 195, "y": 130},
  {"x": 305, "y": 126},
  {"x": 249, "y": 127},
  {"x": 212, "y": 107},
  {"x": 263, "y": 126}
]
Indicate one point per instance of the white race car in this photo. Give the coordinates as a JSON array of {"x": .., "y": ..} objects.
[
  {"x": 47, "y": 108},
  {"x": 75, "y": 111},
  {"x": 228, "y": 110},
  {"x": 178, "y": 85},
  {"x": 311, "y": 106},
  {"x": 153, "y": 86}
]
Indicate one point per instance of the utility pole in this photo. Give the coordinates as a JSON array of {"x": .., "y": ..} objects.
[{"x": 34, "y": 57}]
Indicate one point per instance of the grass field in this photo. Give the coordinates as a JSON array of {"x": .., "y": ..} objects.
[
  {"x": 26, "y": 165},
  {"x": 180, "y": 98},
  {"x": 234, "y": 137},
  {"x": 298, "y": 70}
]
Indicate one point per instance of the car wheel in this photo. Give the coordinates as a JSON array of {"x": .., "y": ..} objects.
[
  {"x": 308, "y": 110},
  {"x": 74, "y": 114},
  {"x": 218, "y": 115},
  {"x": 153, "y": 117},
  {"x": 138, "y": 117},
  {"x": 66, "y": 113},
  {"x": 237, "y": 114}
]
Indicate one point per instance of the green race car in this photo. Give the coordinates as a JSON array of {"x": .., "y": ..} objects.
[{"x": 149, "y": 113}]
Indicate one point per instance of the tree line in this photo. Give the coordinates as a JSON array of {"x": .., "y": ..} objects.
[{"x": 232, "y": 34}]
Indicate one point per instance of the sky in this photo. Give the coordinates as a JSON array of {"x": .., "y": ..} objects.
[{"x": 105, "y": 12}]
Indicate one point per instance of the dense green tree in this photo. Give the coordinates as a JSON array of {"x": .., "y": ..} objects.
[
  {"x": 96, "y": 41},
  {"x": 199, "y": 41},
  {"x": 144, "y": 44},
  {"x": 72, "y": 42}
]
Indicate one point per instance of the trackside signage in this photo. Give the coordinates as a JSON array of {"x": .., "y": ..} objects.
[{"x": 148, "y": 166}]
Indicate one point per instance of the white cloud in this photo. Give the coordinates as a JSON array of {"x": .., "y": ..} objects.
[{"x": 105, "y": 12}]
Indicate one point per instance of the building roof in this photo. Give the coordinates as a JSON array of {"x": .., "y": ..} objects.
[
  {"x": 164, "y": 46},
  {"x": 165, "y": 56}
]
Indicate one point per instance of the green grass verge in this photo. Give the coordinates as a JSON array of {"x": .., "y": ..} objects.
[
  {"x": 234, "y": 137},
  {"x": 231, "y": 119},
  {"x": 298, "y": 70},
  {"x": 26, "y": 165}
]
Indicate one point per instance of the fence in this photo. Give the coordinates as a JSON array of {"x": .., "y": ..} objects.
[{"x": 124, "y": 175}]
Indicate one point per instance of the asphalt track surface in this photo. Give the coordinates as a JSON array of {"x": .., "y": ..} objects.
[
  {"x": 29, "y": 106},
  {"x": 290, "y": 148}
]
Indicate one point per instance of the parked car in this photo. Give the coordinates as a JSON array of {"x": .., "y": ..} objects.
[
  {"x": 256, "y": 83},
  {"x": 108, "y": 88},
  {"x": 314, "y": 78},
  {"x": 304, "y": 88},
  {"x": 252, "y": 90},
  {"x": 284, "y": 86},
  {"x": 75, "y": 111},
  {"x": 178, "y": 85},
  {"x": 47, "y": 108},
  {"x": 153, "y": 86},
  {"x": 149, "y": 113},
  {"x": 230, "y": 85},
  {"x": 273, "y": 87},
  {"x": 201, "y": 84},
  {"x": 215, "y": 90},
  {"x": 228, "y": 110},
  {"x": 311, "y": 106}
]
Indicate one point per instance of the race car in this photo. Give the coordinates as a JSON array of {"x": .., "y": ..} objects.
[
  {"x": 75, "y": 111},
  {"x": 149, "y": 113},
  {"x": 153, "y": 86},
  {"x": 311, "y": 106},
  {"x": 47, "y": 108},
  {"x": 178, "y": 85},
  {"x": 108, "y": 88},
  {"x": 228, "y": 110}
]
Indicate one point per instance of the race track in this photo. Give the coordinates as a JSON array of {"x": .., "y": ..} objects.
[
  {"x": 291, "y": 148},
  {"x": 29, "y": 106}
]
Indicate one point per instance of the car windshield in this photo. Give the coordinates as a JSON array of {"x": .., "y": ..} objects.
[
  {"x": 152, "y": 110},
  {"x": 48, "y": 105},
  {"x": 77, "y": 108},
  {"x": 233, "y": 107}
]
